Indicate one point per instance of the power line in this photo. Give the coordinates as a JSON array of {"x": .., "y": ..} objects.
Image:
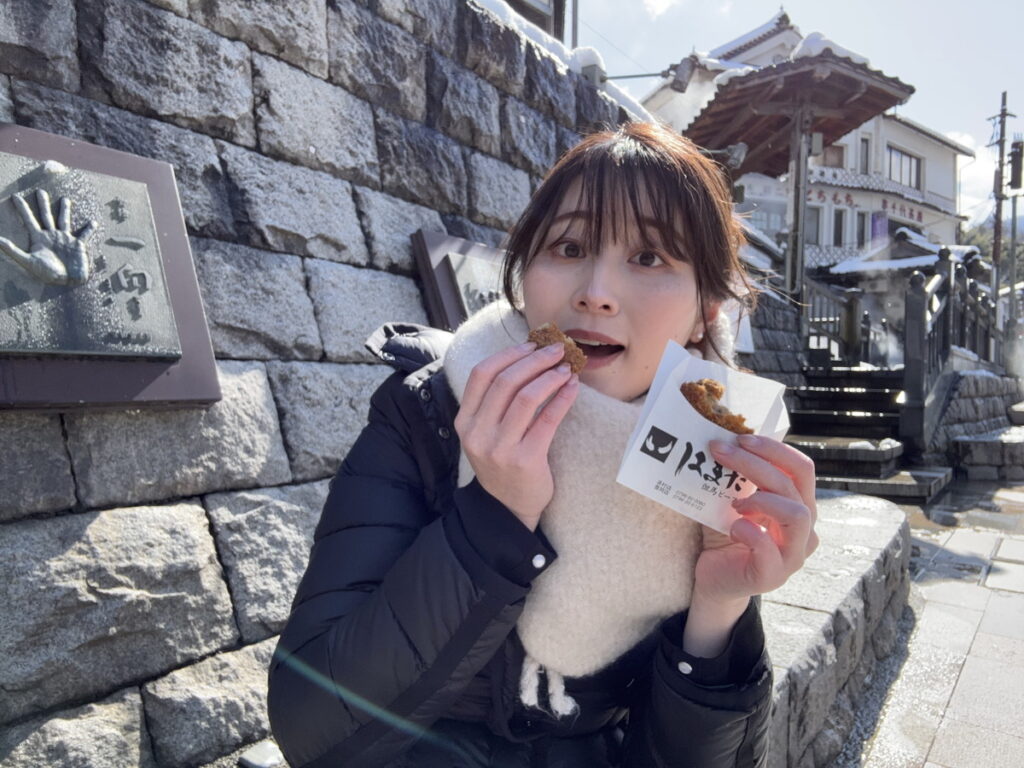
[{"x": 613, "y": 45}]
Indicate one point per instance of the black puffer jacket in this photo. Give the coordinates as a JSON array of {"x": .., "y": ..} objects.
[{"x": 401, "y": 646}]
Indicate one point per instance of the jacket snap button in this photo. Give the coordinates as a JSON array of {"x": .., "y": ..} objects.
[
  {"x": 424, "y": 394},
  {"x": 539, "y": 561},
  {"x": 444, "y": 432},
  {"x": 685, "y": 668}
]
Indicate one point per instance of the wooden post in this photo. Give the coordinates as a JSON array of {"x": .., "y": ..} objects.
[
  {"x": 865, "y": 337},
  {"x": 915, "y": 328}
]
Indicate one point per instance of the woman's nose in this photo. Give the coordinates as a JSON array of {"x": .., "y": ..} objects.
[{"x": 596, "y": 292}]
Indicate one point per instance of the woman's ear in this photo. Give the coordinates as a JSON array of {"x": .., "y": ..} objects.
[{"x": 710, "y": 313}]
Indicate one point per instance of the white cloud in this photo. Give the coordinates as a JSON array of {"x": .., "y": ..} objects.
[
  {"x": 725, "y": 8},
  {"x": 655, "y": 8},
  {"x": 975, "y": 178}
]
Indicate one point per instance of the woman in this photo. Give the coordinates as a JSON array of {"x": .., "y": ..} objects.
[{"x": 480, "y": 591}]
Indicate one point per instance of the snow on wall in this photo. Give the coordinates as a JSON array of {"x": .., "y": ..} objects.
[{"x": 573, "y": 59}]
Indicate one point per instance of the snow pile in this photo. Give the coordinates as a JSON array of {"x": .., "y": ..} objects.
[
  {"x": 753, "y": 34},
  {"x": 816, "y": 44},
  {"x": 574, "y": 60},
  {"x": 724, "y": 77}
]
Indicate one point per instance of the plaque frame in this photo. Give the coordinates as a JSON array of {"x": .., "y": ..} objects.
[
  {"x": 81, "y": 383},
  {"x": 432, "y": 251}
]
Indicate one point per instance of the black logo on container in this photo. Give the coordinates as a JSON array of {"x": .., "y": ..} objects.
[{"x": 658, "y": 444}]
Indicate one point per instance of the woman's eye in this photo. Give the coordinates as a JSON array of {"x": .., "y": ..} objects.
[
  {"x": 648, "y": 259},
  {"x": 570, "y": 250}
]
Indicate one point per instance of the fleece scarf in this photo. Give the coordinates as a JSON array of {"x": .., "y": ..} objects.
[{"x": 625, "y": 562}]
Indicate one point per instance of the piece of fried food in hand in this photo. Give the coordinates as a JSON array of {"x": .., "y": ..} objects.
[
  {"x": 548, "y": 334},
  {"x": 704, "y": 395}
]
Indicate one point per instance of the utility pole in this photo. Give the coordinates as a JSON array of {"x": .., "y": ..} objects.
[
  {"x": 997, "y": 234},
  {"x": 1016, "y": 172}
]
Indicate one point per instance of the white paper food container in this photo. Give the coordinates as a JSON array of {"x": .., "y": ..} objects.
[{"x": 668, "y": 459}]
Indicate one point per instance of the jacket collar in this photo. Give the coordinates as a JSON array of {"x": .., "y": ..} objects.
[{"x": 408, "y": 346}]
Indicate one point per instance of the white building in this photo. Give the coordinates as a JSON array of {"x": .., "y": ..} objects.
[{"x": 887, "y": 174}]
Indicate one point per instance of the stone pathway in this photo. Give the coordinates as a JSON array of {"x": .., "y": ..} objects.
[{"x": 952, "y": 695}]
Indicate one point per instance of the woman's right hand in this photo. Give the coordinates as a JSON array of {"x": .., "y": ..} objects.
[{"x": 504, "y": 437}]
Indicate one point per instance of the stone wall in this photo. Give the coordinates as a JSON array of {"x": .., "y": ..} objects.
[
  {"x": 775, "y": 327},
  {"x": 977, "y": 406},
  {"x": 150, "y": 557}
]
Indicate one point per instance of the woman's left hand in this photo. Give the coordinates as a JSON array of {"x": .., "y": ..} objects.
[{"x": 776, "y": 531}]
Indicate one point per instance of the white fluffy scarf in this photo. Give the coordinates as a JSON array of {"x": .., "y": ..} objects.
[{"x": 624, "y": 563}]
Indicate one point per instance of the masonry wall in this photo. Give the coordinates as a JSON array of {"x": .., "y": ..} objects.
[
  {"x": 149, "y": 558},
  {"x": 977, "y": 406}
]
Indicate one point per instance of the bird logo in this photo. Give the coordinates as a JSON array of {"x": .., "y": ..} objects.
[{"x": 658, "y": 444}]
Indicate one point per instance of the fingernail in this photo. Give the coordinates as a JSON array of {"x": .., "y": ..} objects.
[
  {"x": 719, "y": 447},
  {"x": 749, "y": 441},
  {"x": 554, "y": 349},
  {"x": 563, "y": 368},
  {"x": 527, "y": 347}
]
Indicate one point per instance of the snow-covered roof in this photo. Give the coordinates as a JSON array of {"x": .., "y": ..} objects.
[
  {"x": 816, "y": 44},
  {"x": 744, "y": 42},
  {"x": 573, "y": 59},
  {"x": 868, "y": 263}
]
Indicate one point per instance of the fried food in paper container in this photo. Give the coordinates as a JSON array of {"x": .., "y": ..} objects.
[
  {"x": 549, "y": 334},
  {"x": 704, "y": 395}
]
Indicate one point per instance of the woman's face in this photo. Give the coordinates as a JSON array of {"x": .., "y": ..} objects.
[{"x": 629, "y": 298}]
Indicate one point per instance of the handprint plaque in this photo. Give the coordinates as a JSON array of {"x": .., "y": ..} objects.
[{"x": 80, "y": 265}]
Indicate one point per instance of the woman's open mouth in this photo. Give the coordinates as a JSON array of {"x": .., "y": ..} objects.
[{"x": 598, "y": 351}]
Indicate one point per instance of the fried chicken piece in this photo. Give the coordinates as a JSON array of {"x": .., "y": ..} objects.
[
  {"x": 704, "y": 395},
  {"x": 549, "y": 334}
]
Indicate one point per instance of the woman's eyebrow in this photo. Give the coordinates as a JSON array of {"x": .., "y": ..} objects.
[{"x": 648, "y": 221}]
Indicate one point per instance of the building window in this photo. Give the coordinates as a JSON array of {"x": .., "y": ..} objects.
[
  {"x": 904, "y": 168},
  {"x": 862, "y": 229},
  {"x": 838, "y": 221},
  {"x": 865, "y": 155},
  {"x": 834, "y": 156},
  {"x": 812, "y": 226}
]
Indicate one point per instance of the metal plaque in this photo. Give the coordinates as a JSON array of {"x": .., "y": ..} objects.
[{"x": 81, "y": 272}]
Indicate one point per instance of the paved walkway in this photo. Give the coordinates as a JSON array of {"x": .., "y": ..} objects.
[{"x": 952, "y": 694}]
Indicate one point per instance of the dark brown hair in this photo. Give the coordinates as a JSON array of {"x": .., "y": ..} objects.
[{"x": 688, "y": 194}]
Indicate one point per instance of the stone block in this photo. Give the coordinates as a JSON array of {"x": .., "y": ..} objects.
[
  {"x": 6, "y": 104},
  {"x": 855, "y": 519},
  {"x": 789, "y": 630},
  {"x": 198, "y": 713},
  {"x": 256, "y": 302},
  {"x": 130, "y": 593},
  {"x": 834, "y": 733},
  {"x": 36, "y": 474},
  {"x": 39, "y": 41},
  {"x": 323, "y": 408},
  {"x": 595, "y": 110},
  {"x": 981, "y": 684},
  {"x": 548, "y": 88},
  {"x": 310, "y": 122},
  {"x": 494, "y": 50},
  {"x": 197, "y": 169},
  {"x": 134, "y": 456},
  {"x": 982, "y": 473},
  {"x": 110, "y": 732},
  {"x": 1012, "y": 472},
  {"x": 498, "y": 193},
  {"x": 462, "y": 105},
  {"x": 884, "y": 638},
  {"x": 850, "y": 632},
  {"x": 469, "y": 230},
  {"x": 566, "y": 140},
  {"x": 789, "y": 362},
  {"x": 389, "y": 224},
  {"x": 264, "y": 538},
  {"x": 528, "y": 139},
  {"x": 958, "y": 743},
  {"x": 128, "y": 49},
  {"x": 433, "y": 21},
  {"x": 179, "y": 7},
  {"x": 419, "y": 164},
  {"x": 295, "y": 31},
  {"x": 778, "y": 736},
  {"x": 288, "y": 208},
  {"x": 813, "y": 690},
  {"x": 376, "y": 61},
  {"x": 381, "y": 298}
]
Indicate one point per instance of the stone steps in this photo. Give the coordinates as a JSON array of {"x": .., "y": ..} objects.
[
  {"x": 843, "y": 455},
  {"x": 992, "y": 456},
  {"x": 1016, "y": 413},
  {"x": 910, "y": 485}
]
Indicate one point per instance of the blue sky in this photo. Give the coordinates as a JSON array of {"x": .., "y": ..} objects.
[{"x": 959, "y": 56}]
